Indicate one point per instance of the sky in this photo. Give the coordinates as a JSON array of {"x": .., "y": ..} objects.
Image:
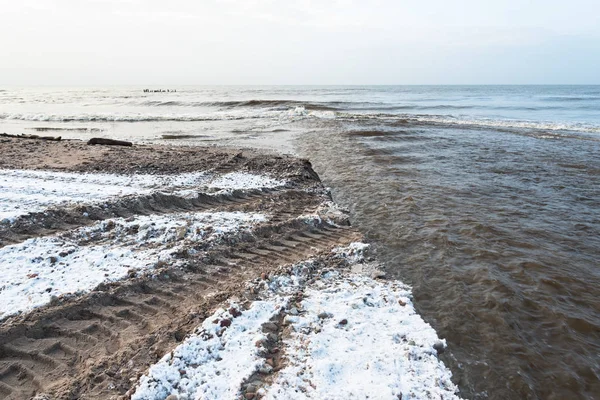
[{"x": 177, "y": 42}]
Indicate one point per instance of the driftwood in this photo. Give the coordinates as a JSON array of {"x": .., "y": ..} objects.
[
  {"x": 109, "y": 142},
  {"x": 36, "y": 137}
]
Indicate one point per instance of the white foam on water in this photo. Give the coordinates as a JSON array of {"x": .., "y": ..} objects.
[{"x": 239, "y": 114}]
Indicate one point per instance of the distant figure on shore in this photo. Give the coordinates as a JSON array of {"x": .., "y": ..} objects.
[{"x": 160, "y": 91}]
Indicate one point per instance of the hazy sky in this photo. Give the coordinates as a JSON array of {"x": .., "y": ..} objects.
[{"x": 89, "y": 42}]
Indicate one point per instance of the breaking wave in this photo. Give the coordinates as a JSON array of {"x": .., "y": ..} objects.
[
  {"x": 331, "y": 106},
  {"x": 288, "y": 114},
  {"x": 124, "y": 118},
  {"x": 116, "y": 118},
  {"x": 509, "y": 124},
  {"x": 302, "y": 112}
]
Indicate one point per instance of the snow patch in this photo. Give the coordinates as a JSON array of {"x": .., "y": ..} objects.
[
  {"x": 213, "y": 362},
  {"x": 25, "y": 191},
  {"x": 351, "y": 337},
  {"x": 371, "y": 344},
  {"x": 327, "y": 212},
  {"x": 354, "y": 253},
  {"x": 244, "y": 181},
  {"x": 39, "y": 269}
]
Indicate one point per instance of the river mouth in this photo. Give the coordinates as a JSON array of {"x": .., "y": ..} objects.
[
  {"x": 496, "y": 232},
  {"x": 484, "y": 198}
]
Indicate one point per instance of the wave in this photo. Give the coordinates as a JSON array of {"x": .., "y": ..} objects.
[
  {"x": 477, "y": 123},
  {"x": 53, "y": 129},
  {"x": 123, "y": 118},
  {"x": 182, "y": 136},
  {"x": 511, "y": 124},
  {"x": 572, "y": 98},
  {"x": 318, "y": 106},
  {"x": 446, "y": 107},
  {"x": 287, "y": 114},
  {"x": 245, "y": 103},
  {"x": 452, "y": 107},
  {"x": 277, "y": 103},
  {"x": 302, "y": 112}
]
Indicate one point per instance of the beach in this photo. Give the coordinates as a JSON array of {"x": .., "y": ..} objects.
[
  {"x": 180, "y": 272},
  {"x": 300, "y": 200},
  {"x": 482, "y": 198}
]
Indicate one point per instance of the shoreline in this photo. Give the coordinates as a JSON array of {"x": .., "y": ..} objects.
[{"x": 279, "y": 241}]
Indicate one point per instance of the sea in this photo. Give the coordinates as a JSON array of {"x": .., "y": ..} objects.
[{"x": 486, "y": 199}]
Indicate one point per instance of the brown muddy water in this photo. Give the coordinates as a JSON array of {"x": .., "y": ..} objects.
[{"x": 499, "y": 234}]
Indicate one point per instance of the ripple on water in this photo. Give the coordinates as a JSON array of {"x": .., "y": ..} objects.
[{"x": 499, "y": 235}]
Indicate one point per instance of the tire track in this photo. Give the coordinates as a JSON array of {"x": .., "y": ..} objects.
[
  {"x": 91, "y": 347},
  {"x": 57, "y": 220}
]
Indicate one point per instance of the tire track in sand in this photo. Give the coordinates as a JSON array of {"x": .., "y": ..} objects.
[{"x": 92, "y": 347}]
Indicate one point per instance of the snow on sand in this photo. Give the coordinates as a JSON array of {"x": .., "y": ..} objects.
[
  {"x": 25, "y": 191},
  {"x": 35, "y": 271},
  {"x": 360, "y": 338},
  {"x": 214, "y": 361},
  {"x": 39, "y": 269},
  {"x": 348, "y": 336}
]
